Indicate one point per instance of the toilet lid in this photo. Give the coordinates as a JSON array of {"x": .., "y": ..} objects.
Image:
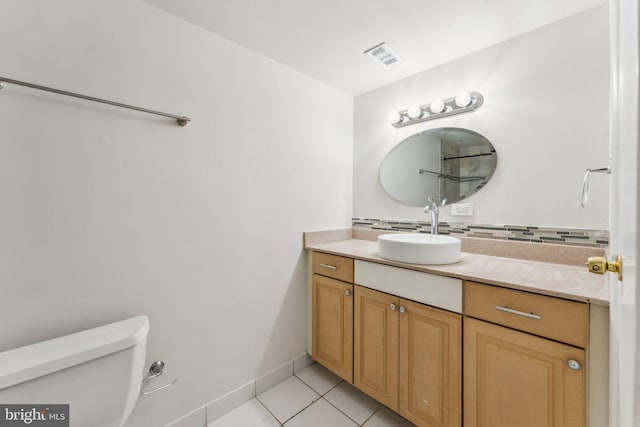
[{"x": 35, "y": 360}]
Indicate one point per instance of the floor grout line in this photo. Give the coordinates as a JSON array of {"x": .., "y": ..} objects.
[
  {"x": 347, "y": 415},
  {"x": 322, "y": 396},
  {"x": 269, "y": 411},
  {"x": 370, "y": 416},
  {"x": 328, "y": 391},
  {"x": 319, "y": 397},
  {"x": 282, "y": 423},
  {"x": 302, "y": 410},
  {"x": 312, "y": 388}
]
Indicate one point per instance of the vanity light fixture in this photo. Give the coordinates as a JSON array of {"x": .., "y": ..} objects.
[
  {"x": 463, "y": 103},
  {"x": 415, "y": 113},
  {"x": 463, "y": 99},
  {"x": 437, "y": 107},
  {"x": 395, "y": 118}
]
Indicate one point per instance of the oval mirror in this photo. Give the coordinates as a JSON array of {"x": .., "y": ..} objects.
[{"x": 447, "y": 164}]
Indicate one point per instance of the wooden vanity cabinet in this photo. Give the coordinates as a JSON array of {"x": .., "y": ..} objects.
[
  {"x": 407, "y": 356},
  {"x": 513, "y": 377},
  {"x": 376, "y": 352},
  {"x": 529, "y": 360},
  {"x": 430, "y": 366},
  {"x": 332, "y": 314}
]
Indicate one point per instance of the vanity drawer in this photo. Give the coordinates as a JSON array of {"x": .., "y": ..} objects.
[
  {"x": 554, "y": 318},
  {"x": 335, "y": 266}
]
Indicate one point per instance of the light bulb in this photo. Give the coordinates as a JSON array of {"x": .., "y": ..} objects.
[
  {"x": 437, "y": 107},
  {"x": 395, "y": 117},
  {"x": 463, "y": 99},
  {"x": 414, "y": 112}
]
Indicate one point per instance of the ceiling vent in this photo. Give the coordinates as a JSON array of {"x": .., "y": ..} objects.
[{"x": 383, "y": 54}]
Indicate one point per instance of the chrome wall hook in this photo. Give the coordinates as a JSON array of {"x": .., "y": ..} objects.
[{"x": 155, "y": 370}]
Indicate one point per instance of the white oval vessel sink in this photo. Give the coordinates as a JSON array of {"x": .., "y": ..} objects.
[{"x": 417, "y": 248}]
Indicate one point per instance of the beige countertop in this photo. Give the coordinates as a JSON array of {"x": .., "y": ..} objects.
[{"x": 558, "y": 280}]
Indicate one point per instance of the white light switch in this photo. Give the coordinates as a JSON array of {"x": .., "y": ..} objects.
[{"x": 462, "y": 209}]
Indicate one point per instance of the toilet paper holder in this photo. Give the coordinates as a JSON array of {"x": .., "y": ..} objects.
[{"x": 155, "y": 370}]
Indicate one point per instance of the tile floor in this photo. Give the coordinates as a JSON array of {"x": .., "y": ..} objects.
[{"x": 313, "y": 397}]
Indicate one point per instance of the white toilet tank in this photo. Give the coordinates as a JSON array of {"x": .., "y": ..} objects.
[{"x": 98, "y": 372}]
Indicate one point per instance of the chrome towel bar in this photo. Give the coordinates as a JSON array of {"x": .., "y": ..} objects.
[{"x": 182, "y": 120}]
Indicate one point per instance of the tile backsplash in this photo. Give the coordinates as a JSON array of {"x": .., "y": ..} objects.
[{"x": 520, "y": 233}]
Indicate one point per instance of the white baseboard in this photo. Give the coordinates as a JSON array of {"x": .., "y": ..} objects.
[{"x": 239, "y": 396}]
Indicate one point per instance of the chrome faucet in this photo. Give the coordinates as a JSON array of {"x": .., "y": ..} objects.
[{"x": 432, "y": 208}]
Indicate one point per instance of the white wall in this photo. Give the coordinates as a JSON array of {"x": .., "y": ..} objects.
[
  {"x": 545, "y": 111},
  {"x": 107, "y": 213}
]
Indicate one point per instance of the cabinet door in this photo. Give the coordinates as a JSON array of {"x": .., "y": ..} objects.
[
  {"x": 376, "y": 345},
  {"x": 333, "y": 325},
  {"x": 430, "y": 365},
  {"x": 515, "y": 379}
]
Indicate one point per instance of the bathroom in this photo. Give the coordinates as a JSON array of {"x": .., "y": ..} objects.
[{"x": 110, "y": 214}]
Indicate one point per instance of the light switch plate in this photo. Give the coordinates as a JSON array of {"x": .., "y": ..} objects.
[{"x": 462, "y": 209}]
